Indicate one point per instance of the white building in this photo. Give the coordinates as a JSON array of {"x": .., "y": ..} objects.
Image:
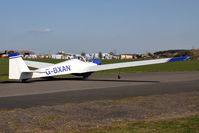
[
  {"x": 30, "y": 56},
  {"x": 57, "y": 56}
]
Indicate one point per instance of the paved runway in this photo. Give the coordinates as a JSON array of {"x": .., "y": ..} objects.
[{"x": 63, "y": 90}]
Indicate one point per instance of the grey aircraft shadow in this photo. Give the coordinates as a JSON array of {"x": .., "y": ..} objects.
[{"x": 76, "y": 79}]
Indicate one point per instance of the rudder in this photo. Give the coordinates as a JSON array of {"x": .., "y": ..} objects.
[{"x": 17, "y": 66}]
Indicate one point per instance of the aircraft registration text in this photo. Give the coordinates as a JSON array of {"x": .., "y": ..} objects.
[{"x": 58, "y": 69}]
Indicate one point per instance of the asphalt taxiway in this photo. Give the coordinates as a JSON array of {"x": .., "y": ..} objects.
[{"x": 62, "y": 90}]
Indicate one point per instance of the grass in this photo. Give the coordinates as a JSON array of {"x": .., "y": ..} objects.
[
  {"x": 48, "y": 119},
  {"x": 182, "y": 125},
  {"x": 3, "y": 111},
  {"x": 4, "y": 69},
  {"x": 191, "y": 65}
]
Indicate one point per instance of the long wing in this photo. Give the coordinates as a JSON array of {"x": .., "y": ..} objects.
[
  {"x": 36, "y": 64},
  {"x": 136, "y": 63}
]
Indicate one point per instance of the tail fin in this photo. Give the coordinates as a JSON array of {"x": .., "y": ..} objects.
[{"x": 17, "y": 66}]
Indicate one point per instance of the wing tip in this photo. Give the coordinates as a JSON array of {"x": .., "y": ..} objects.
[{"x": 179, "y": 59}]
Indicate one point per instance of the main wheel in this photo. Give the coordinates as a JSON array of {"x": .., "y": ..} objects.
[
  {"x": 23, "y": 80},
  {"x": 48, "y": 78},
  {"x": 85, "y": 77}
]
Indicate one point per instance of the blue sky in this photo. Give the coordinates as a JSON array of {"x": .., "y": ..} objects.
[{"x": 75, "y": 26}]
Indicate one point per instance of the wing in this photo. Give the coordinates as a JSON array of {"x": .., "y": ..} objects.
[
  {"x": 136, "y": 63},
  {"x": 36, "y": 64}
]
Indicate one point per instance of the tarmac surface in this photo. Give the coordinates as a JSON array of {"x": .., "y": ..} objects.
[{"x": 38, "y": 92}]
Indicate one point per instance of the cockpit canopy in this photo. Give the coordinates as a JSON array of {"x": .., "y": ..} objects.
[{"x": 82, "y": 58}]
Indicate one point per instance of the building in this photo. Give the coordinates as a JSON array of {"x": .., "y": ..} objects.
[
  {"x": 106, "y": 56},
  {"x": 146, "y": 56},
  {"x": 3, "y": 54},
  {"x": 128, "y": 56},
  {"x": 25, "y": 52},
  {"x": 115, "y": 57}
]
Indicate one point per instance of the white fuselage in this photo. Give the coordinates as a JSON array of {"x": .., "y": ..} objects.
[{"x": 73, "y": 66}]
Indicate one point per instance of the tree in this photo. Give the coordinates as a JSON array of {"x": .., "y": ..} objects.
[
  {"x": 100, "y": 55},
  {"x": 112, "y": 53},
  {"x": 83, "y": 54}
]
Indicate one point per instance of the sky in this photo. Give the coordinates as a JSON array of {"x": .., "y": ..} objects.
[{"x": 121, "y": 26}]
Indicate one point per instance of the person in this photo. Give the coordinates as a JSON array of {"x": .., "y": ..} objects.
[{"x": 81, "y": 59}]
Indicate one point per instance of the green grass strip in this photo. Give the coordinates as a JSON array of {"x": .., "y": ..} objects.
[{"x": 182, "y": 125}]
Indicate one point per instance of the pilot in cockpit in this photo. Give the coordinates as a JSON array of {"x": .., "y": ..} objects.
[{"x": 81, "y": 58}]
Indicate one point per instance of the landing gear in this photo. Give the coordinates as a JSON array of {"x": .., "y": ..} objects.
[
  {"x": 48, "y": 78},
  {"x": 85, "y": 77},
  {"x": 23, "y": 80}
]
